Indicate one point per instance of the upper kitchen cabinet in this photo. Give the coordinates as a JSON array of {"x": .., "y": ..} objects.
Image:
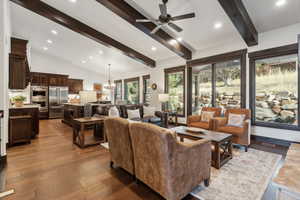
[
  {"x": 19, "y": 72},
  {"x": 75, "y": 86},
  {"x": 39, "y": 79},
  {"x": 58, "y": 80}
]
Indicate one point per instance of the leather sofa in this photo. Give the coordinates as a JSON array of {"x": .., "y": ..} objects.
[
  {"x": 160, "y": 118},
  {"x": 241, "y": 135},
  {"x": 195, "y": 120},
  {"x": 170, "y": 168}
]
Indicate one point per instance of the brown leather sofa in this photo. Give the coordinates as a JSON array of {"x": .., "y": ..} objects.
[
  {"x": 120, "y": 147},
  {"x": 241, "y": 135},
  {"x": 170, "y": 168},
  {"x": 195, "y": 120}
]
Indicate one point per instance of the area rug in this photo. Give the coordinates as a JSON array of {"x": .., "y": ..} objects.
[{"x": 245, "y": 177}]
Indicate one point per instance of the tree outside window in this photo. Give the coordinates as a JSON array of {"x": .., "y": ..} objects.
[{"x": 132, "y": 90}]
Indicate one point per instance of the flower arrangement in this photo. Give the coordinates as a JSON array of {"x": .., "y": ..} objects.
[{"x": 18, "y": 100}]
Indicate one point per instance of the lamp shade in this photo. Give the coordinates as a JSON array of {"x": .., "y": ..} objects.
[{"x": 163, "y": 97}]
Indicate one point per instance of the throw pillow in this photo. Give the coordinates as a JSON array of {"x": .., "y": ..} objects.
[
  {"x": 206, "y": 116},
  {"x": 149, "y": 111},
  {"x": 133, "y": 114},
  {"x": 236, "y": 120},
  {"x": 114, "y": 112}
]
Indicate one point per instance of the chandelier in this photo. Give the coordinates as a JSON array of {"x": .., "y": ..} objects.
[{"x": 109, "y": 85}]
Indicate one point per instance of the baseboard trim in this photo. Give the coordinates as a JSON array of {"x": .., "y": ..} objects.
[{"x": 3, "y": 161}]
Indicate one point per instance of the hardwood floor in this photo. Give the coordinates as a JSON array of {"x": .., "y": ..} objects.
[{"x": 51, "y": 167}]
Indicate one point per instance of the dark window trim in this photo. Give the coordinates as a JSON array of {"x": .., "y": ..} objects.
[
  {"x": 131, "y": 80},
  {"x": 240, "y": 54},
  {"x": 263, "y": 54},
  {"x": 116, "y": 82},
  {"x": 172, "y": 70},
  {"x": 146, "y": 77}
]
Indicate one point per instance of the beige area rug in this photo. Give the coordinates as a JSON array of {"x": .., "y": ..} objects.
[{"x": 245, "y": 177}]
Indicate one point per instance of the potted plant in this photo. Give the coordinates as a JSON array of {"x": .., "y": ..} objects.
[{"x": 19, "y": 100}]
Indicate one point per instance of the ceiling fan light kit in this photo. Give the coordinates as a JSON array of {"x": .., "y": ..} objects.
[{"x": 166, "y": 19}]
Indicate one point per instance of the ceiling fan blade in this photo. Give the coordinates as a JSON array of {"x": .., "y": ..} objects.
[
  {"x": 143, "y": 20},
  {"x": 163, "y": 9},
  {"x": 181, "y": 17},
  {"x": 156, "y": 29},
  {"x": 175, "y": 27}
]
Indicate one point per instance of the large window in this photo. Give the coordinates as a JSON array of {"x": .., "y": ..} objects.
[
  {"x": 175, "y": 87},
  {"x": 118, "y": 91},
  {"x": 217, "y": 81},
  {"x": 132, "y": 90},
  {"x": 274, "y": 86},
  {"x": 146, "y": 89}
]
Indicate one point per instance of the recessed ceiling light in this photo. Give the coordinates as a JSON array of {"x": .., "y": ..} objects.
[
  {"x": 54, "y": 32},
  {"x": 153, "y": 48},
  {"x": 100, "y": 52},
  {"x": 280, "y": 3},
  {"x": 179, "y": 39},
  {"x": 45, "y": 48},
  {"x": 49, "y": 41},
  {"x": 172, "y": 42},
  {"x": 91, "y": 57},
  {"x": 73, "y": 1},
  {"x": 218, "y": 25},
  {"x": 83, "y": 61}
]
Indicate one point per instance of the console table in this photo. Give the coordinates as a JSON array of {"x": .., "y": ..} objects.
[{"x": 80, "y": 136}]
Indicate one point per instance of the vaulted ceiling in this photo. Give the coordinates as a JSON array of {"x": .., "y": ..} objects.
[{"x": 198, "y": 33}]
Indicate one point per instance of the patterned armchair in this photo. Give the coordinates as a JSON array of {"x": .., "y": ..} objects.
[
  {"x": 241, "y": 134},
  {"x": 195, "y": 120}
]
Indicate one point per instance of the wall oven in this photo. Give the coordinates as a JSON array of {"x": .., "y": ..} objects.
[{"x": 39, "y": 95}]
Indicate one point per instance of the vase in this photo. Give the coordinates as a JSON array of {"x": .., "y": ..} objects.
[{"x": 19, "y": 104}]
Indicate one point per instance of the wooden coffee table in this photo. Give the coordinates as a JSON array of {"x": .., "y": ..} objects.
[
  {"x": 221, "y": 143},
  {"x": 79, "y": 135}
]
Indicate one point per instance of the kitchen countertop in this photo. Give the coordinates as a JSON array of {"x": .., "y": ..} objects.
[
  {"x": 80, "y": 104},
  {"x": 25, "y": 106}
]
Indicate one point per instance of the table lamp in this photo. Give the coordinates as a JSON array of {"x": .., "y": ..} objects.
[
  {"x": 163, "y": 98},
  {"x": 87, "y": 97}
]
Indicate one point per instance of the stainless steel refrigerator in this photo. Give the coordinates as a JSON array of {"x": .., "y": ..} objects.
[{"x": 57, "y": 97}]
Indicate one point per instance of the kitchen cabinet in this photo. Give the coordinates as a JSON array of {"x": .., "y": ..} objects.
[
  {"x": 19, "y": 73},
  {"x": 75, "y": 86},
  {"x": 58, "y": 80},
  {"x": 20, "y": 129},
  {"x": 46, "y": 79}
]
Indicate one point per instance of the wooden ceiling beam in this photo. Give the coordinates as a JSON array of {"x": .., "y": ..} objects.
[
  {"x": 239, "y": 16},
  {"x": 73, "y": 24},
  {"x": 130, "y": 14}
]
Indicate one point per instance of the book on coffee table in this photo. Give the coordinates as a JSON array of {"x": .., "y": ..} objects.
[{"x": 195, "y": 130}]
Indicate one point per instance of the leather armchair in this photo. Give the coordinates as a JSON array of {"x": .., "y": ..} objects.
[
  {"x": 117, "y": 133},
  {"x": 241, "y": 135},
  {"x": 195, "y": 120},
  {"x": 171, "y": 168}
]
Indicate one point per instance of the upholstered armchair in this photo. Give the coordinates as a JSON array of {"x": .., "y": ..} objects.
[
  {"x": 171, "y": 168},
  {"x": 241, "y": 134},
  {"x": 117, "y": 133},
  {"x": 195, "y": 120}
]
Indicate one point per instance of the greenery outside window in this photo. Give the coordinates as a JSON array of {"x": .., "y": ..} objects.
[
  {"x": 217, "y": 81},
  {"x": 274, "y": 84},
  {"x": 175, "y": 87},
  {"x": 146, "y": 89},
  {"x": 132, "y": 90},
  {"x": 118, "y": 91}
]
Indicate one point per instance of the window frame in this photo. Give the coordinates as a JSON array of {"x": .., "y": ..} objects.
[
  {"x": 146, "y": 77},
  {"x": 213, "y": 60},
  {"x": 115, "y": 95},
  {"x": 126, "y": 81},
  {"x": 265, "y": 54},
  {"x": 172, "y": 70}
]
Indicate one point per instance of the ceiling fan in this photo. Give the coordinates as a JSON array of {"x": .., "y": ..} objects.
[{"x": 166, "y": 19}]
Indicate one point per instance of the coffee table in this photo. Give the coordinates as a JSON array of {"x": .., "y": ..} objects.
[{"x": 221, "y": 143}]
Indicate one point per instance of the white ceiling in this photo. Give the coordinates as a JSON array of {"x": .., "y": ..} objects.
[
  {"x": 267, "y": 16},
  {"x": 199, "y": 32}
]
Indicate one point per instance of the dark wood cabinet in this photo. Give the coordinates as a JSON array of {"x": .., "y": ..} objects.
[
  {"x": 33, "y": 112},
  {"x": 19, "y": 74},
  {"x": 58, "y": 80},
  {"x": 46, "y": 79},
  {"x": 20, "y": 129},
  {"x": 75, "y": 86}
]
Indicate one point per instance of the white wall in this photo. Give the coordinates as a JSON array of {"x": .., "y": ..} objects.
[
  {"x": 275, "y": 38},
  {"x": 5, "y": 33},
  {"x": 50, "y": 64}
]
